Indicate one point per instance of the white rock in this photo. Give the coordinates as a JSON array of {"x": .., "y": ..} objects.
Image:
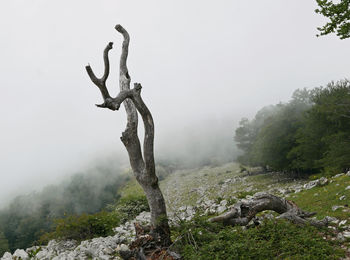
[
  {"x": 122, "y": 247},
  {"x": 346, "y": 234},
  {"x": 342, "y": 223},
  {"x": 332, "y": 219},
  {"x": 347, "y": 188},
  {"x": 221, "y": 209},
  {"x": 7, "y": 256},
  {"x": 342, "y": 197},
  {"x": 338, "y": 175},
  {"x": 311, "y": 184},
  {"x": 334, "y": 208},
  {"x": 341, "y": 237},
  {"x": 323, "y": 181},
  {"x": 20, "y": 253}
]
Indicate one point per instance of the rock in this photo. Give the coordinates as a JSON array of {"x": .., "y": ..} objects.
[
  {"x": 338, "y": 175},
  {"x": 334, "y": 208},
  {"x": 122, "y": 247},
  {"x": 341, "y": 237},
  {"x": 342, "y": 197},
  {"x": 332, "y": 219},
  {"x": 342, "y": 223},
  {"x": 319, "y": 182},
  {"x": 348, "y": 173},
  {"x": 7, "y": 256},
  {"x": 323, "y": 181},
  {"x": 347, "y": 188},
  {"x": 311, "y": 184},
  {"x": 20, "y": 253},
  {"x": 346, "y": 234},
  {"x": 221, "y": 209}
]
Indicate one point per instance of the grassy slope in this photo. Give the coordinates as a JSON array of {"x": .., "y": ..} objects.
[
  {"x": 280, "y": 240},
  {"x": 187, "y": 187}
]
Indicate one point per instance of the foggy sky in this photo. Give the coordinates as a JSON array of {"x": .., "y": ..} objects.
[{"x": 200, "y": 63}]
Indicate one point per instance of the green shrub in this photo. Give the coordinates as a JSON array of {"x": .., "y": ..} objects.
[
  {"x": 130, "y": 206},
  {"x": 83, "y": 227},
  {"x": 243, "y": 194},
  {"x": 280, "y": 239}
]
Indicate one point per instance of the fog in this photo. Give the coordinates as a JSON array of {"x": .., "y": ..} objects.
[{"x": 203, "y": 65}]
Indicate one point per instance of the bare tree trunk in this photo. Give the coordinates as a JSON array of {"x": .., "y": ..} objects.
[
  {"x": 142, "y": 164},
  {"x": 243, "y": 212}
]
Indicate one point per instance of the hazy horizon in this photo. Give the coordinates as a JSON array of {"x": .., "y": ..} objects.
[{"x": 203, "y": 65}]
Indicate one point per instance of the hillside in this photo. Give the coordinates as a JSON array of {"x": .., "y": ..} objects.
[{"x": 193, "y": 195}]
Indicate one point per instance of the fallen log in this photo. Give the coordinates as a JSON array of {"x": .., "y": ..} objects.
[{"x": 244, "y": 211}]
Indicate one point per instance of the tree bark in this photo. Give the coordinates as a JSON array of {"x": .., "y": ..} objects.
[
  {"x": 142, "y": 163},
  {"x": 243, "y": 212}
]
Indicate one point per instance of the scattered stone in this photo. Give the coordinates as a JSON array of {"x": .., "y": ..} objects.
[
  {"x": 7, "y": 256},
  {"x": 323, "y": 181},
  {"x": 341, "y": 237},
  {"x": 347, "y": 188},
  {"x": 342, "y": 223},
  {"x": 20, "y": 254},
  {"x": 334, "y": 208},
  {"x": 319, "y": 182},
  {"x": 338, "y": 175},
  {"x": 346, "y": 234},
  {"x": 332, "y": 219},
  {"x": 342, "y": 197}
]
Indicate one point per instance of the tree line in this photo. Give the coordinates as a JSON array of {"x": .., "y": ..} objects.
[
  {"x": 308, "y": 134},
  {"x": 28, "y": 217}
]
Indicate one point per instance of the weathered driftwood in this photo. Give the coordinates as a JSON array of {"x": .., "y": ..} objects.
[
  {"x": 142, "y": 164},
  {"x": 243, "y": 212}
]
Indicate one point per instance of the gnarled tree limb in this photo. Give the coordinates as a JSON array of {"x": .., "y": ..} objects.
[
  {"x": 101, "y": 82},
  {"x": 143, "y": 165},
  {"x": 243, "y": 212}
]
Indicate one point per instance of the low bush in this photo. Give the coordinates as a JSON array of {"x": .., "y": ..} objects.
[
  {"x": 130, "y": 206},
  {"x": 83, "y": 227},
  {"x": 275, "y": 239}
]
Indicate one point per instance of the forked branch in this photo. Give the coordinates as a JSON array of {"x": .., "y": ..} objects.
[
  {"x": 142, "y": 165},
  {"x": 101, "y": 82}
]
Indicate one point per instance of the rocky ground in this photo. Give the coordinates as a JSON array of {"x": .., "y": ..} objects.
[{"x": 211, "y": 190}]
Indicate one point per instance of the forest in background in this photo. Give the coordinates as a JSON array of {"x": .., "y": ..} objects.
[{"x": 308, "y": 134}]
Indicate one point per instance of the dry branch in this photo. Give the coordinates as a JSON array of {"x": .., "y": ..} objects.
[{"x": 243, "y": 212}]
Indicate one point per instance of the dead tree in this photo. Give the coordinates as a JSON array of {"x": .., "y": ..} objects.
[
  {"x": 243, "y": 212},
  {"x": 142, "y": 164}
]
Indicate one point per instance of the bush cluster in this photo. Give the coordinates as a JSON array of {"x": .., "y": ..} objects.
[
  {"x": 83, "y": 227},
  {"x": 275, "y": 239}
]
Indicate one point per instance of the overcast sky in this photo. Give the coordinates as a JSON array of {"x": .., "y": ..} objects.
[{"x": 198, "y": 61}]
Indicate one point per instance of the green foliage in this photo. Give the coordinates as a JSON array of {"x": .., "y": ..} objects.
[
  {"x": 34, "y": 252},
  {"x": 130, "y": 206},
  {"x": 323, "y": 139},
  {"x": 309, "y": 133},
  {"x": 83, "y": 227},
  {"x": 247, "y": 132},
  {"x": 338, "y": 13},
  {"x": 243, "y": 194},
  {"x": 274, "y": 129},
  {"x": 322, "y": 199},
  {"x": 276, "y": 239},
  {"x": 4, "y": 246}
]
